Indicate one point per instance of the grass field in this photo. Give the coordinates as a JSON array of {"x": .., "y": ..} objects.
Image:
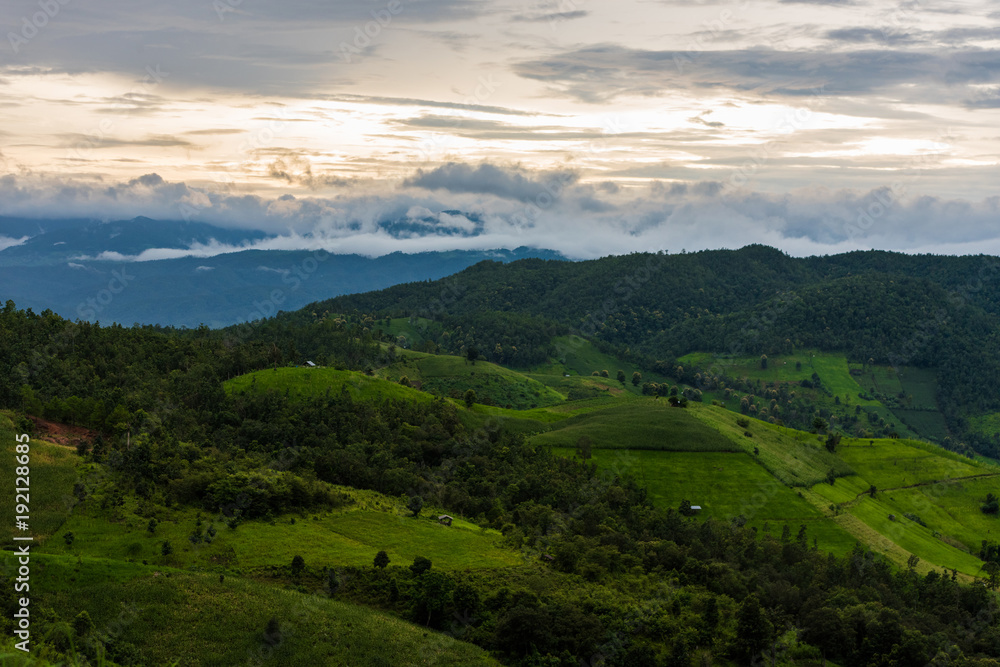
[
  {"x": 53, "y": 471},
  {"x": 302, "y": 381},
  {"x": 794, "y": 457},
  {"x": 445, "y": 374},
  {"x": 920, "y": 386},
  {"x": 645, "y": 424},
  {"x": 896, "y": 463},
  {"x": 578, "y": 357},
  {"x": 194, "y": 619},
  {"x": 928, "y": 423},
  {"x": 831, "y": 368},
  {"x": 350, "y": 537},
  {"x": 725, "y": 485}
]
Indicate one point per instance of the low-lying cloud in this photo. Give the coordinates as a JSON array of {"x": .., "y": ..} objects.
[{"x": 483, "y": 206}]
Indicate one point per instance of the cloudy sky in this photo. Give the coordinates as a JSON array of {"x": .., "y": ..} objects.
[{"x": 588, "y": 126}]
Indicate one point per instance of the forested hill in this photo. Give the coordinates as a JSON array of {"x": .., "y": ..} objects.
[{"x": 886, "y": 308}]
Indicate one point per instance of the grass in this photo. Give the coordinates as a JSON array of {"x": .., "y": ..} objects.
[
  {"x": 337, "y": 539},
  {"x": 725, "y": 485},
  {"x": 920, "y": 385},
  {"x": 645, "y": 424},
  {"x": 190, "y": 618},
  {"x": 302, "y": 381},
  {"x": 451, "y": 376},
  {"x": 832, "y": 369},
  {"x": 913, "y": 537},
  {"x": 53, "y": 472},
  {"x": 928, "y": 423},
  {"x": 893, "y": 463},
  {"x": 578, "y": 357},
  {"x": 794, "y": 457}
]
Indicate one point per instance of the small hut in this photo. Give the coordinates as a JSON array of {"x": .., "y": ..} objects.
[{"x": 445, "y": 519}]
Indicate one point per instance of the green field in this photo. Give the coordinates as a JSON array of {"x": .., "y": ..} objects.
[
  {"x": 53, "y": 471},
  {"x": 451, "y": 376},
  {"x": 577, "y": 356},
  {"x": 831, "y": 368},
  {"x": 350, "y": 537},
  {"x": 645, "y": 424},
  {"x": 896, "y": 463},
  {"x": 302, "y": 381},
  {"x": 794, "y": 457},
  {"x": 194, "y": 619}
]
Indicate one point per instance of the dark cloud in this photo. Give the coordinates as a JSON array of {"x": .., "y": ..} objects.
[
  {"x": 215, "y": 131},
  {"x": 486, "y": 178},
  {"x": 818, "y": 2},
  {"x": 603, "y": 72},
  {"x": 550, "y": 17},
  {"x": 85, "y": 142}
]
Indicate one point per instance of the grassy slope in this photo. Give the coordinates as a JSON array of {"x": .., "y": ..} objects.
[
  {"x": 194, "y": 619},
  {"x": 832, "y": 368},
  {"x": 444, "y": 374},
  {"x": 646, "y": 424},
  {"x": 648, "y": 437},
  {"x": 350, "y": 537},
  {"x": 302, "y": 381},
  {"x": 726, "y": 485},
  {"x": 53, "y": 471}
]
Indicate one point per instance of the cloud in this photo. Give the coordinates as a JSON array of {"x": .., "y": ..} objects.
[
  {"x": 8, "y": 242},
  {"x": 484, "y": 206},
  {"x": 85, "y": 142},
  {"x": 506, "y": 182},
  {"x": 550, "y": 17},
  {"x": 601, "y": 73}
]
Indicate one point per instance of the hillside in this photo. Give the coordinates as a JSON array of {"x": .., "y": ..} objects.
[
  {"x": 932, "y": 319},
  {"x": 215, "y": 475}
]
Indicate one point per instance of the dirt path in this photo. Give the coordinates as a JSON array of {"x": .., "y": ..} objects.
[
  {"x": 949, "y": 480},
  {"x": 61, "y": 434}
]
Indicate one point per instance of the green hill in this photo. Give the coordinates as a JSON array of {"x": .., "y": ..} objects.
[{"x": 165, "y": 616}]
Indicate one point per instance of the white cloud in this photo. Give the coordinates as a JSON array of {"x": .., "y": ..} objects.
[{"x": 8, "y": 242}]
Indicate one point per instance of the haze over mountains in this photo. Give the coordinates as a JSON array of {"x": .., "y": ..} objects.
[{"x": 190, "y": 273}]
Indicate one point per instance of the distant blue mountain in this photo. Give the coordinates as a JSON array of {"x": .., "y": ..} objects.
[{"x": 47, "y": 272}]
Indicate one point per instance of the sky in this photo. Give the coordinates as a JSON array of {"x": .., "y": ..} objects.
[{"x": 586, "y": 126}]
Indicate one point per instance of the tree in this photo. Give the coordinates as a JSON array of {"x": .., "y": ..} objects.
[
  {"x": 685, "y": 508},
  {"x": 605, "y": 374},
  {"x": 272, "y": 632},
  {"x": 381, "y": 560},
  {"x": 992, "y": 569},
  {"x": 151, "y": 526},
  {"x": 832, "y": 440},
  {"x": 420, "y": 565},
  {"x": 472, "y": 354},
  {"x": 415, "y": 504},
  {"x": 583, "y": 447},
  {"x": 470, "y": 397},
  {"x": 405, "y": 381},
  {"x": 621, "y": 376},
  {"x": 872, "y": 490},
  {"x": 167, "y": 548},
  {"x": 82, "y": 624},
  {"x": 298, "y": 564},
  {"x": 753, "y": 630},
  {"x": 819, "y": 424},
  {"x": 435, "y": 592},
  {"x": 763, "y": 361},
  {"x": 911, "y": 562},
  {"x": 991, "y": 505},
  {"x": 69, "y": 537},
  {"x": 636, "y": 378}
]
